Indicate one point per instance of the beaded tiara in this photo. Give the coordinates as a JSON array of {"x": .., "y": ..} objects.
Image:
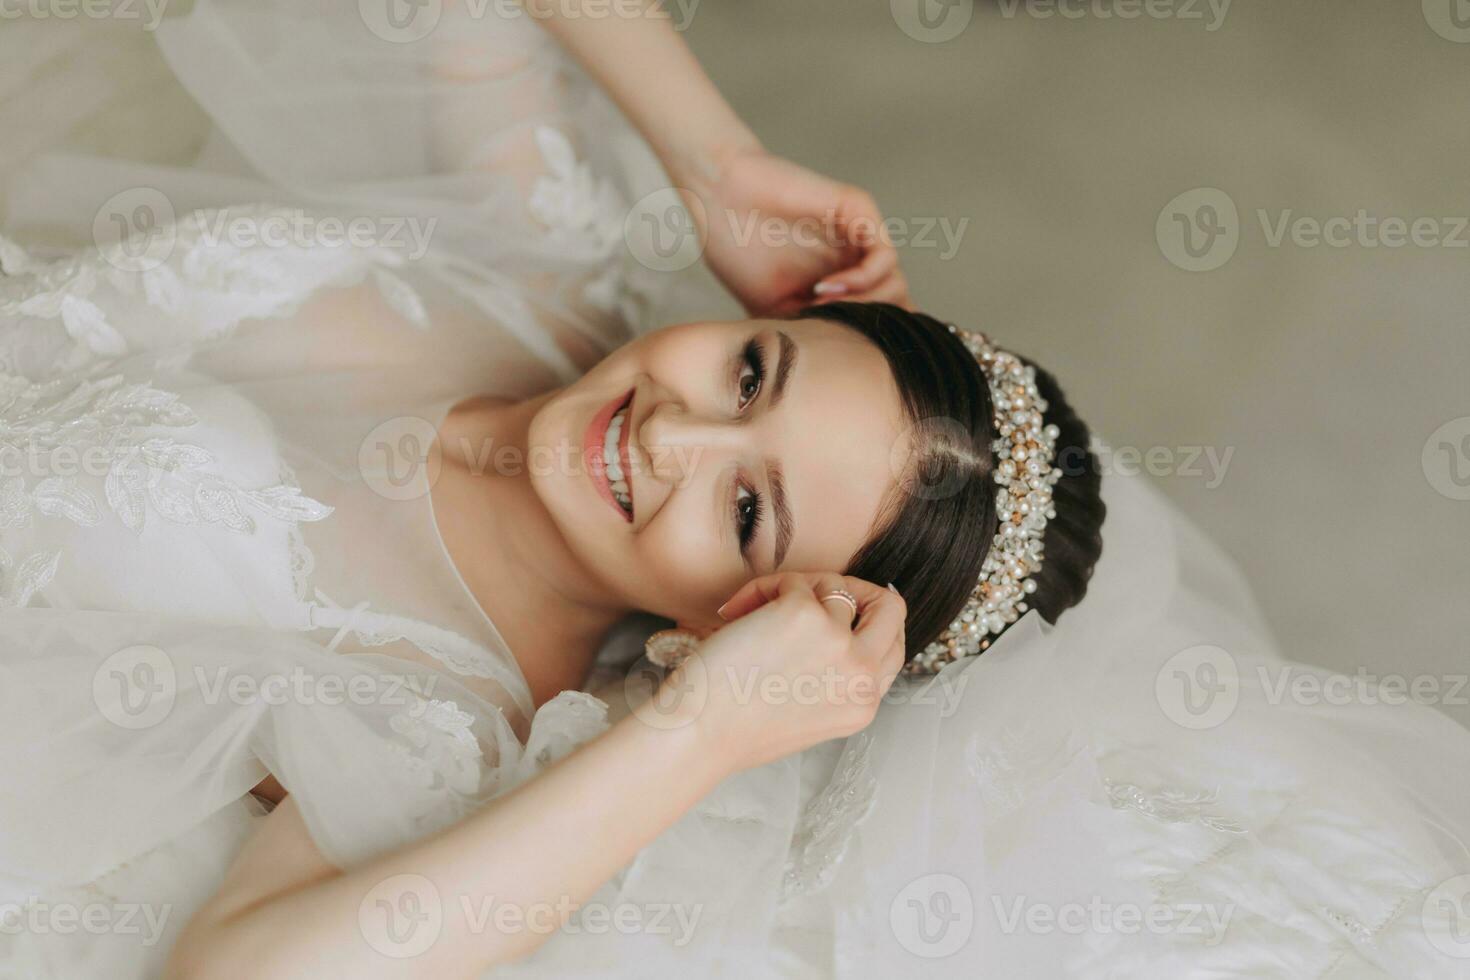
[{"x": 1025, "y": 450}]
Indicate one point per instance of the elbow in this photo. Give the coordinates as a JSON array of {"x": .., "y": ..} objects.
[
  {"x": 203, "y": 953},
  {"x": 187, "y": 962}
]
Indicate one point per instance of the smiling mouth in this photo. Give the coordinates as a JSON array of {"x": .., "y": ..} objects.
[
  {"x": 614, "y": 459},
  {"x": 606, "y": 448}
]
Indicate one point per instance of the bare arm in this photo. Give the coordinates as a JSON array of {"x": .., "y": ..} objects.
[
  {"x": 549, "y": 845},
  {"x": 648, "y": 70},
  {"x": 710, "y": 154},
  {"x": 286, "y": 912}
]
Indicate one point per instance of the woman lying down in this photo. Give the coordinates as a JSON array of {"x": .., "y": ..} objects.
[{"x": 309, "y": 553}]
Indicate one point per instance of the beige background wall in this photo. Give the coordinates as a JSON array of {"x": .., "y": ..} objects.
[
  {"x": 1324, "y": 370},
  {"x": 1321, "y": 371}
]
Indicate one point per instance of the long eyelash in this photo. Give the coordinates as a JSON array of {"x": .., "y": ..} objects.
[
  {"x": 747, "y": 531},
  {"x": 754, "y": 357}
]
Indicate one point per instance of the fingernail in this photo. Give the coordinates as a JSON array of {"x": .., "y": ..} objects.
[
  {"x": 829, "y": 288},
  {"x": 720, "y": 612},
  {"x": 894, "y": 591}
]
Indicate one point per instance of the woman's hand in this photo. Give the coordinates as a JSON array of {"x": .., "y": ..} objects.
[
  {"x": 781, "y": 237},
  {"x": 832, "y": 232},
  {"x": 789, "y": 671}
]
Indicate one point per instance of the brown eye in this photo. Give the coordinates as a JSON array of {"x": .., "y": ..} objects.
[
  {"x": 747, "y": 515},
  {"x": 752, "y": 374},
  {"x": 750, "y": 386}
]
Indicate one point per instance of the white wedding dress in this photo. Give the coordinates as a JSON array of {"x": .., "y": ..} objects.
[{"x": 212, "y": 567}]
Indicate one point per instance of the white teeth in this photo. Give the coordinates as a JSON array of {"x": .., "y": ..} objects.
[{"x": 613, "y": 463}]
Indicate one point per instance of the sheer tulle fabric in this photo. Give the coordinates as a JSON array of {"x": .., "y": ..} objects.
[{"x": 236, "y": 541}]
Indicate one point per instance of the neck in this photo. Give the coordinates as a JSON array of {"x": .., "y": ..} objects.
[{"x": 511, "y": 554}]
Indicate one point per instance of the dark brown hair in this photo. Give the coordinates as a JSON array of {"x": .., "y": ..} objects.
[{"x": 939, "y": 526}]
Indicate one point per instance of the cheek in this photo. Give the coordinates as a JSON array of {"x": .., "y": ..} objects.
[
  {"x": 680, "y": 569},
  {"x": 692, "y": 353}
]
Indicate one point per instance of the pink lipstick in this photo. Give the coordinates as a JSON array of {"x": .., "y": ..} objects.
[{"x": 594, "y": 444}]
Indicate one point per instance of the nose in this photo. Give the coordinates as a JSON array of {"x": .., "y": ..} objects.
[{"x": 676, "y": 438}]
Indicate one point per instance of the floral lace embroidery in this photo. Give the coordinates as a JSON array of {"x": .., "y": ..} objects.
[
  {"x": 31, "y": 575},
  {"x": 192, "y": 268},
  {"x": 577, "y": 209},
  {"x": 1171, "y": 806},
  {"x": 827, "y": 824},
  {"x": 98, "y": 421},
  {"x": 438, "y": 748},
  {"x": 1003, "y": 767},
  {"x": 57, "y": 291},
  {"x": 573, "y": 717},
  {"x": 584, "y": 214},
  {"x": 460, "y": 654}
]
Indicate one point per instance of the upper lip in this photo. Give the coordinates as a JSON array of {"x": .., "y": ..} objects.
[
  {"x": 595, "y": 446},
  {"x": 625, "y": 453}
]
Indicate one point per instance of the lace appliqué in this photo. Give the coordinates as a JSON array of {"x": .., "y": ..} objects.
[
  {"x": 19, "y": 581},
  {"x": 563, "y": 723},
  {"x": 577, "y": 209},
  {"x": 1005, "y": 767},
  {"x": 585, "y": 215},
  {"x": 826, "y": 825},
  {"x": 65, "y": 424},
  {"x": 98, "y": 422},
  {"x": 437, "y": 747},
  {"x": 460, "y": 654},
  {"x": 1171, "y": 806},
  {"x": 209, "y": 270}
]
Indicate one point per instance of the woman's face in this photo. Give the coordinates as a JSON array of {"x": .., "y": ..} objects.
[{"x": 704, "y": 454}]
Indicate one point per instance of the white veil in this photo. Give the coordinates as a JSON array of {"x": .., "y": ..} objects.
[{"x": 1128, "y": 793}]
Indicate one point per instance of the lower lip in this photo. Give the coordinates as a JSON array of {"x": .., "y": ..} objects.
[{"x": 592, "y": 445}]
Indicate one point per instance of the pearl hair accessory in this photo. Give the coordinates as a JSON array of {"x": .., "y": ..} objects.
[{"x": 1025, "y": 450}]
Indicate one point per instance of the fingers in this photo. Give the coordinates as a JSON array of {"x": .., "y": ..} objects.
[
  {"x": 880, "y": 629},
  {"x": 768, "y": 588},
  {"x": 756, "y": 593},
  {"x": 831, "y": 591},
  {"x": 894, "y": 290},
  {"x": 879, "y": 261},
  {"x": 866, "y": 654},
  {"x": 881, "y": 611},
  {"x": 876, "y": 276}
]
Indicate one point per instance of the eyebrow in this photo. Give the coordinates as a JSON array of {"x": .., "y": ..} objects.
[
  {"x": 785, "y": 364},
  {"x": 780, "y": 503},
  {"x": 785, "y": 525}
]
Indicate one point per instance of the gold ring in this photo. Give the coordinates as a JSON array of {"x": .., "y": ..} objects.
[{"x": 842, "y": 595}]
